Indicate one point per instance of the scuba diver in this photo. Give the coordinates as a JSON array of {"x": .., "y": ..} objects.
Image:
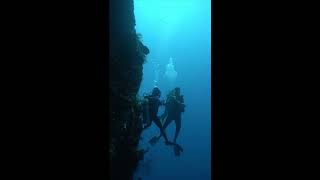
[
  {"x": 174, "y": 107},
  {"x": 150, "y": 111}
]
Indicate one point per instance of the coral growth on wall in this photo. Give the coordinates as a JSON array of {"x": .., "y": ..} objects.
[{"x": 127, "y": 55}]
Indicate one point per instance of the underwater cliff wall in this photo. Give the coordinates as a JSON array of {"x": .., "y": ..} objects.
[{"x": 125, "y": 72}]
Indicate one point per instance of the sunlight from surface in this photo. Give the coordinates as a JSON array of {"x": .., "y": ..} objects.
[{"x": 164, "y": 15}]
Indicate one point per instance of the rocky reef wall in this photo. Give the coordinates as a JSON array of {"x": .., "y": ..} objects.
[{"x": 125, "y": 72}]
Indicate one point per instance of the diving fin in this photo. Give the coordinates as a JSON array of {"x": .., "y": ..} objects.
[
  {"x": 177, "y": 149},
  {"x": 154, "y": 140}
]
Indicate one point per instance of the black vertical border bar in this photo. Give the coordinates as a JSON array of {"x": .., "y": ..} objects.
[
  {"x": 102, "y": 51},
  {"x": 216, "y": 89}
]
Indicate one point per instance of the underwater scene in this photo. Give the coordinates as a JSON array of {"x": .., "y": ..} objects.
[{"x": 177, "y": 88}]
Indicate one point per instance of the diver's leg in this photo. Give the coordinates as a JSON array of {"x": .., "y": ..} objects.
[
  {"x": 178, "y": 127},
  {"x": 177, "y": 148},
  {"x": 154, "y": 139},
  {"x": 163, "y": 133},
  {"x": 164, "y": 116},
  {"x": 167, "y": 122}
]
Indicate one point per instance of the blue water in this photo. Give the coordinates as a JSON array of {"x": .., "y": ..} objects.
[{"x": 180, "y": 29}]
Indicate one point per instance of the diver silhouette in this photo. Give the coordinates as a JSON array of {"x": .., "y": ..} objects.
[
  {"x": 174, "y": 107},
  {"x": 151, "y": 106}
]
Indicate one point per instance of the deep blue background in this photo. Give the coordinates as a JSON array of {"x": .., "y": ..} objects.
[{"x": 179, "y": 29}]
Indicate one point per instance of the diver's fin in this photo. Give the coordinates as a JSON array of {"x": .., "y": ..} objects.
[
  {"x": 179, "y": 147},
  {"x": 176, "y": 147},
  {"x": 154, "y": 140},
  {"x": 168, "y": 143},
  {"x": 176, "y": 151}
]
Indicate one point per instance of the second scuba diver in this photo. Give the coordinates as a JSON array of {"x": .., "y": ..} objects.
[{"x": 174, "y": 107}]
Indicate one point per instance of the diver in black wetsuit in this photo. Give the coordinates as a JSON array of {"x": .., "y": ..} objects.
[
  {"x": 174, "y": 108},
  {"x": 154, "y": 103}
]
